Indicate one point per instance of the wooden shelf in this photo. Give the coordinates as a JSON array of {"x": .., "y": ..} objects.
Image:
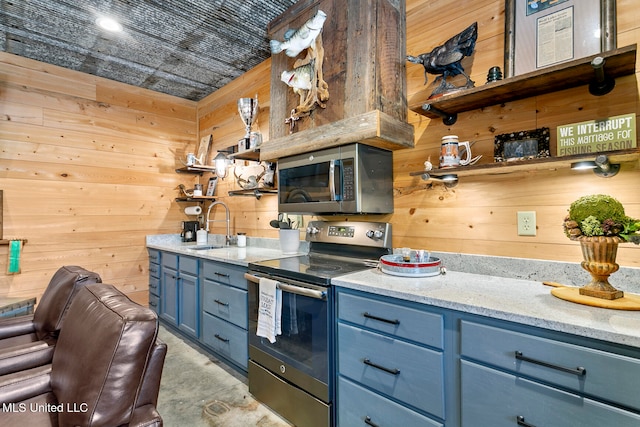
[
  {"x": 200, "y": 199},
  {"x": 618, "y": 62},
  {"x": 619, "y": 156},
  {"x": 253, "y": 192},
  {"x": 197, "y": 170},
  {"x": 253, "y": 155}
]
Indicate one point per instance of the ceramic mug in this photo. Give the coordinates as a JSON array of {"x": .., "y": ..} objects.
[{"x": 450, "y": 152}]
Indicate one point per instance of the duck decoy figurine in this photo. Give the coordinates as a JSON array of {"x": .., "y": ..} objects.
[{"x": 445, "y": 59}]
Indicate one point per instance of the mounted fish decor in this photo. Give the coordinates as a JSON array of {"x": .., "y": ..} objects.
[
  {"x": 305, "y": 78},
  {"x": 295, "y": 41},
  {"x": 445, "y": 60}
]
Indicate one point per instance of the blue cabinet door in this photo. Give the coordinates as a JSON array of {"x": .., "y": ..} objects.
[
  {"x": 169, "y": 292},
  {"x": 188, "y": 319}
]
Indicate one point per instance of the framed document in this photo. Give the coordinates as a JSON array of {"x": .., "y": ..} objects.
[{"x": 542, "y": 33}]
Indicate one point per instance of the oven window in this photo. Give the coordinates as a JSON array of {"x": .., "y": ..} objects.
[
  {"x": 309, "y": 183},
  {"x": 303, "y": 343}
]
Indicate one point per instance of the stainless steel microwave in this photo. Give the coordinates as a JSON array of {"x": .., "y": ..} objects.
[{"x": 351, "y": 179}]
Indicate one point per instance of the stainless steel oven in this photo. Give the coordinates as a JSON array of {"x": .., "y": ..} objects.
[
  {"x": 295, "y": 374},
  {"x": 353, "y": 178}
]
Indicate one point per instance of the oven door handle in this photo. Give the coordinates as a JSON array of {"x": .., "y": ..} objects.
[{"x": 298, "y": 290}]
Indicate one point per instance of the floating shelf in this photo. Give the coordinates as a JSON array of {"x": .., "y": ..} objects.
[
  {"x": 620, "y": 156},
  {"x": 201, "y": 199},
  {"x": 618, "y": 62},
  {"x": 197, "y": 170},
  {"x": 253, "y": 192}
]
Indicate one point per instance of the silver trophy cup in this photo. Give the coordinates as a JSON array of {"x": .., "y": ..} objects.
[{"x": 248, "y": 109}]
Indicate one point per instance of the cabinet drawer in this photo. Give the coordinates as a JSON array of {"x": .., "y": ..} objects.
[
  {"x": 225, "y": 273},
  {"x": 154, "y": 256},
  {"x": 154, "y": 286},
  {"x": 391, "y": 318},
  {"x": 189, "y": 265},
  {"x": 226, "y": 302},
  {"x": 154, "y": 270},
  {"x": 170, "y": 260},
  {"x": 154, "y": 303},
  {"x": 357, "y": 405},
  {"x": 226, "y": 339},
  {"x": 495, "y": 398},
  {"x": 607, "y": 376},
  {"x": 404, "y": 371}
]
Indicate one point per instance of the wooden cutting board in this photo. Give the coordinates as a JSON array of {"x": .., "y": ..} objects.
[{"x": 570, "y": 293}]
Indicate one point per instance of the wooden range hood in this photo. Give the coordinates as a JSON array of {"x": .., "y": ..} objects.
[{"x": 364, "y": 66}]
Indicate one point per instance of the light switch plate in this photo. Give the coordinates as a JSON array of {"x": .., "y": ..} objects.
[{"x": 527, "y": 223}]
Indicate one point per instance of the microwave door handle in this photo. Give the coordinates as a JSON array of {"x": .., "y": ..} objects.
[{"x": 332, "y": 179}]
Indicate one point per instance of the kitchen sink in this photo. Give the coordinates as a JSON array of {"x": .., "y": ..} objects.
[{"x": 204, "y": 247}]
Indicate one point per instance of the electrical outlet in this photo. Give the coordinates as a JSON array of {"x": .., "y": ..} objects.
[{"x": 527, "y": 223}]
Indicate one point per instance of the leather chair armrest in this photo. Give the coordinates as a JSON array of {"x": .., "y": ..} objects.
[
  {"x": 14, "y": 326},
  {"x": 150, "y": 386},
  {"x": 146, "y": 416},
  {"x": 23, "y": 385},
  {"x": 25, "y": 356}
]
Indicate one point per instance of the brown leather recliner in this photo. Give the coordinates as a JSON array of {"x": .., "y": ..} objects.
[
  {"x": 27, "y": 341},
  {"x": 106, "y": 368}
]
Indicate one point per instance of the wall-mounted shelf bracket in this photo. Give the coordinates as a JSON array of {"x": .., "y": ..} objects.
[
  {"x": 253, "y": 192},
  {"x": 447, "y": 119}
]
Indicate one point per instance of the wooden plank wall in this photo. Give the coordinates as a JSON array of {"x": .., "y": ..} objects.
[
  {"x": 479, "y": 215},
  {"x": 88, "y": 165},
  {"x": 87, "y": 168}
]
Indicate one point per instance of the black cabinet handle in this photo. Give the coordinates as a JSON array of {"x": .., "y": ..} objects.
[
  {"x": 367, "y": 420},
  {"x": 394, "y": 371},
  {"x": 381, "y": 319},
  {"x": 153, "y": 304},
  {"x": 221, "y": 338},
  {"x": 220, "y": 274},
  {"x": 577, "y": 371},
  {"x": 520, "y": 421},
  {"x": 217, "y": 301}
]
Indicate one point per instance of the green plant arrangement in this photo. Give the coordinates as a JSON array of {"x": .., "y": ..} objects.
[
  {"x": 599, "y": 223},
  {"x": 600, "y": 215}
]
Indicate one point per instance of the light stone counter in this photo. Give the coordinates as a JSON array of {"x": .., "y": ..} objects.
[
  {"x": 516, "y": 300},
  {"x": 257, "y": 249}
]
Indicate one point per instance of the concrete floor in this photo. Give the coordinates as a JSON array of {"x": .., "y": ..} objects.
[{"x": 198, "y": 391}]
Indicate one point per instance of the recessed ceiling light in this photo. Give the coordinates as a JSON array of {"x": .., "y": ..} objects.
[{"x": 109, "y": 24}]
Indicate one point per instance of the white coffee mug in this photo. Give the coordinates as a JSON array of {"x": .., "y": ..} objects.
[{"x": 450, "y": 152}]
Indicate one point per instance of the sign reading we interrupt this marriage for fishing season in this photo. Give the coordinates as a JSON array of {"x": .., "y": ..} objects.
[{"x": 595, "y": 136}]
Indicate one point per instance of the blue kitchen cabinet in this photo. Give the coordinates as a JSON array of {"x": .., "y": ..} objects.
[
  {"x": 154, "y": 280},
  {"x": 409, "y": 364},
  {"x": 225, "y": 311},
  {"x": 510, "y": 377},
  {"x": 179, "y": 293},
  {"x": 391, "y": 367}
]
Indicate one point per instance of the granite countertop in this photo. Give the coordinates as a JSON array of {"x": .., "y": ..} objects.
[
  {"x": 517, "y": 300},
  {"x": 257, "y": 249}
]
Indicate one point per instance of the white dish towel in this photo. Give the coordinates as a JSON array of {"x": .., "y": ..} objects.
[{"x": 269, "y": 310}]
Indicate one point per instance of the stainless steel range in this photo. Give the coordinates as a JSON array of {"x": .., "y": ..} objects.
[{"x": 294, "y": 375}]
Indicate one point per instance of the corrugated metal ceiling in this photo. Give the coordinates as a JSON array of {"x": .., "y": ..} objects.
[{"x": 186, "y": 48}]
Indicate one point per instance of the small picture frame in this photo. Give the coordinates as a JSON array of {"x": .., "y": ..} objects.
[
  {"x": 211, "y": 188},
  {"x": 522, "y": 145},
  {"x": 202, "y": 154}
]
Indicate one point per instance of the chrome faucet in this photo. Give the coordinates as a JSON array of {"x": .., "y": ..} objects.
[{"x": 228, "y": 236}]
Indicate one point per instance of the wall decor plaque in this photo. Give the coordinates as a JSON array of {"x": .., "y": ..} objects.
[
  {"x": 522, "y": 145},
  {"x": 597, "y": 136},
  {"x": 542, "y": 33}
]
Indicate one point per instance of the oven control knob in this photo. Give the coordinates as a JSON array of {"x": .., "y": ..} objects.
[
  {"x": 282, "y": 369},
  {"x": 313, "y": 230},
  {"x": 375, "y": 234}
]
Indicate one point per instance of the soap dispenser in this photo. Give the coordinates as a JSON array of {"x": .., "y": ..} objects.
[{"x": 201, "y": 236}]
